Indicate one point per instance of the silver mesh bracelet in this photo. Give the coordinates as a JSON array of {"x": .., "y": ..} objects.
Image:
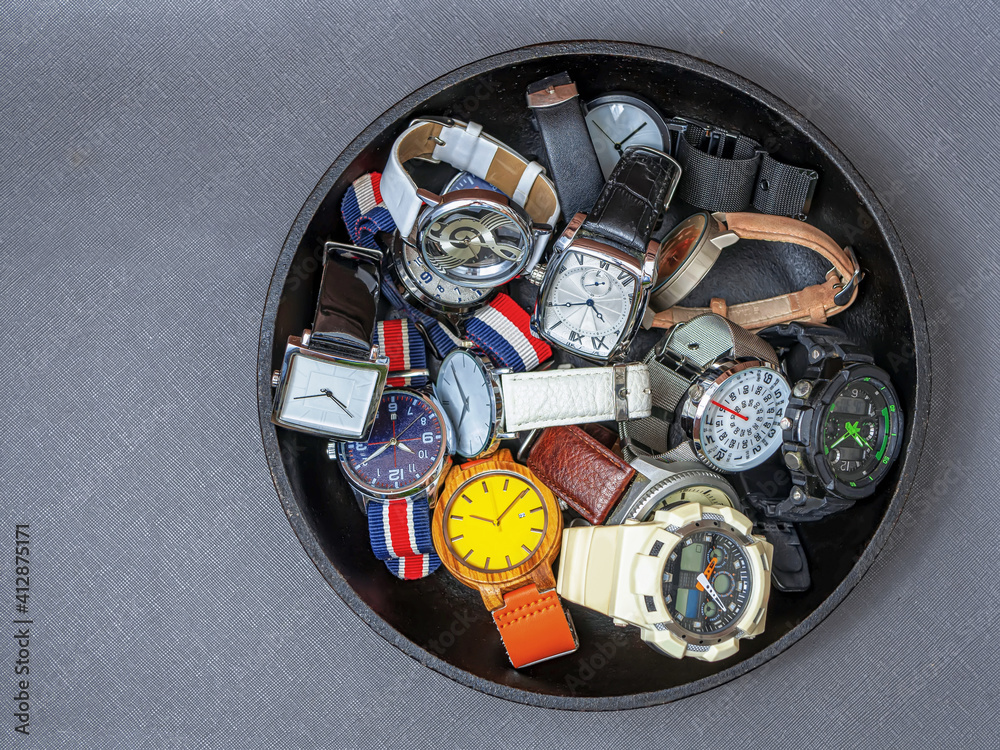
[{"x": 674, "y": 364}]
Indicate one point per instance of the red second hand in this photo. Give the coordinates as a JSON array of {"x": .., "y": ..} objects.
[{"x": 722, "y": 406}]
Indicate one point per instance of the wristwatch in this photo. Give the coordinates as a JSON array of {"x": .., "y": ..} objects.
[
  {"x": 332, "y": 376},
  {"x": 497, "y": 529},
  {"x": 843, "y": 427},
  {"x": 569, "y": 152},
  {"x": 629, "y": 118},
  {"x": 722, "y": 386},
  {"x": 477, "y": 238},
  {"x": 727, "y": 171},
  {"x": 488, "y": 404},
  {"x": 596, "y": 285},
  {"x": 694, "y": 580},
  {"x": 692, "y": 248},
  {"x": 598, "y": 484},
  {"x": 396, "y": 473}
]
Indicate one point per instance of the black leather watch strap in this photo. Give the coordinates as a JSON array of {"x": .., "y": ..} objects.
[
  {"x": 348, "y": 299},
  {"x": 633, "y": 199},
  {"x": 569, "y": 152},
  {"x": 727, "y": 171}
]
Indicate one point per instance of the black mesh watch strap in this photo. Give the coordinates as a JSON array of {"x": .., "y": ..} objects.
[
  {"x": 726, "y": 171},
  {"x": 633, "y": 199},
  {"x": 348, "y": 300},
  {"x": 569, "y": 152}
]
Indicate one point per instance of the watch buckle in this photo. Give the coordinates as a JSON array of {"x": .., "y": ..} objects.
[
  {"x": 446, "y": 122},
  {"x": 844, "y": 295}
]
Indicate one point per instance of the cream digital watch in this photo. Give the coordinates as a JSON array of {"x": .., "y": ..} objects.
[{"x": 694, "y": 580}]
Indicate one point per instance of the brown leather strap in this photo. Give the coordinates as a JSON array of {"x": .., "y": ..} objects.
[
  {"x": 580, "y": 470},
  {"x": 813, "y": 304}
]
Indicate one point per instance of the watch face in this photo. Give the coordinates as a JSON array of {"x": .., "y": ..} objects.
[
  {"x": 474, "y": 243},
  {"x": 331, "y": 398},
  {"x": 739, "y": 427},
  {"x": 677, "y": 246},
  {"x": 406, "y": 443},
  {"x": 587, "y": 304},
  {"x": 707, "y": 582},
  {"x": 436, "y": 287},
  {"x": 618, "y": 121},
  {"x": 861, "y": 430},
  {"x": 495, "y": 521},
  {"x": 466, "y": 393}
]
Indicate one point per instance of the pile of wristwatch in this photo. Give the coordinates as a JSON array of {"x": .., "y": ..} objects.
[{"x": 475, "y": 369}]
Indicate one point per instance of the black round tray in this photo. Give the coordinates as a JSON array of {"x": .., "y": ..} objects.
[{"x": 443, "y": 624}]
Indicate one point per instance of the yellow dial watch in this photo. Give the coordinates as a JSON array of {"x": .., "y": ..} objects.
[{"x": 497, "y": 529}]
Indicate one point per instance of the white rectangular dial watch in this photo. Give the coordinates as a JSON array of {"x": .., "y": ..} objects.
[{"x": 332, "y": 377}]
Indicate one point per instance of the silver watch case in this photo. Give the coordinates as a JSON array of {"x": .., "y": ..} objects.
[
  {"x": 692, "y": 407},
  {"x": 644, "y": 271},
  {"x": 493, "y": 374},
  {"x": 656, "y": 479},
  {"x": 427, "y": 486},
  {"x": 299, "y": 346},
  {"x": 452, "y": 315},
  {"x": 437, "y": 205},
  {"x": 714, "y": 235}
]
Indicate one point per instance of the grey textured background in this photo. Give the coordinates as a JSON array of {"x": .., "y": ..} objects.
[{"x": 151, "y": 162}]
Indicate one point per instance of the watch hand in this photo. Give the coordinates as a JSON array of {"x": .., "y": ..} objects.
[
  {"x": 841, "y": 439},
  {"x": 480, "y": 518},
  {"x": 726, "y": 408},
  {"x": 328, "y": 392},
  {"x": 380, "y": 451},
  {"x": 632, "y": 133},
  {"x": 707, "y": 586},
  {"x": 403, "y": 431},
  {"x": 855, "y": 432},
  {"x": 500, "y": 517},
  {"x": 403, "y": 446},
  {"x": 314, "y": 395},
  {"x": 605, "y": 134},
  {"x": 465, "y": 409}
]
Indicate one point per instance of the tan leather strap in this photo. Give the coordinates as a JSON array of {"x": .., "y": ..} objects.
[{"x": 813, "y": 304}]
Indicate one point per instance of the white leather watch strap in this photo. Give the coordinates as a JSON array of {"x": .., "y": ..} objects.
[
  {"x": 532, "y": 400},
  {"x": 465, "y": 147}
]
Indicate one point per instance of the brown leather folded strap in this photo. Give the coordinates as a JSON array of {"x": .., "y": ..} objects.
[
  {"x": 813, "y": 304},
  {"x": 581, "y": 471}
]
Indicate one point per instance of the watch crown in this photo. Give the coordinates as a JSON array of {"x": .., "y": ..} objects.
[
  {"x": 275, "y": 378},
  {"x": 331, "y": 450},
  {"x": 802, "y": 388},
  {"x": 794, "y": 462}
]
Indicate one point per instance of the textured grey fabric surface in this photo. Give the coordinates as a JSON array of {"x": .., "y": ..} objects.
[{"x": 151, "y": 162}]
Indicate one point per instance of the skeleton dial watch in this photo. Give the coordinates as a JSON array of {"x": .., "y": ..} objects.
[
  {"x": 497, "y": 529},
  {"x": 723, "y": 386},
  {"x": 595, "y": 287},
  {"x": 694, "y": 580},
  {"x": 477, "y": 237}
]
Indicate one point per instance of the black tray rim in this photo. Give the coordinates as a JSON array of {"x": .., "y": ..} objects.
[{"x": 294, "y": 511}]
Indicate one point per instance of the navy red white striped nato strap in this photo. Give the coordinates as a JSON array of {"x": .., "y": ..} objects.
[
  {"x": 500, "y": 329},
  {"x": 364, "y": 211},
  {"x": 400, "y": 530}
]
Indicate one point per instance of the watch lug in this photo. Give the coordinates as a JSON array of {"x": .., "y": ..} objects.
[
  {"x": 429, "y": 198},
  {"x": 725, "y": 240}
]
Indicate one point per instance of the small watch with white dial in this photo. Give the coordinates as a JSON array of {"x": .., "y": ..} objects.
[
  {"x": 619, "y": 120},
  {"x": 331, "y": 377},
  {"x": 596, "y": 285},
  {"x": 488, "y": 404},
  {"x": 724, "y": 387}
]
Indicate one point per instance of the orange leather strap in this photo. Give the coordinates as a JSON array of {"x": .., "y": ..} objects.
[
  {"x": 534, "y": 626},
  {"x": 813, "y": 304}
]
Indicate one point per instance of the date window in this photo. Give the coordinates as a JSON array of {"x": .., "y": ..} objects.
[{"x": 522, "y": 515}]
